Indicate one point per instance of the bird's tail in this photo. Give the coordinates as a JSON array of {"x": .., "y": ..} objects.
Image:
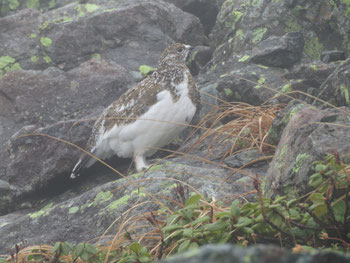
[{"x": 83, "y": 161}]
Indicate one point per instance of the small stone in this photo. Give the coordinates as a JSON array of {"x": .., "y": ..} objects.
[{"x": 332, "y": 55}]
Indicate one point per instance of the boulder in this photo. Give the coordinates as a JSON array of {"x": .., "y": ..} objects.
[
  {"x": 282, "y": 52},
  {"x": 70, "y": 218},
  {"x": 27, "y": 95},
  {"x": 22, "y": 46},
  {"x": 241, "y": 26},
  {"x": 69, "y": 61},
  {"x": 255, "y": 254},
  {"x": 38, "y": 158},
  {"x": 249, "y": 83},
  {"x": 332, "y": 55},
  {"x": 40, "y": 98},
  {"x": 336, "y": 88},
  {"x": 131, "y": 33},
  {"x": 308, "y": 78},
  {"x": 282, "y": 119},
  {"x": 309, "y": 136},
  {"x": 205, "y": 10}
]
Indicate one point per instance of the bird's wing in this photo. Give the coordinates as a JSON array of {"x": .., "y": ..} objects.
[{"x": 130, "y": 105}]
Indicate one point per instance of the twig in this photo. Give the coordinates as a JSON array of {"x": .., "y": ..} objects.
[{"x": 315, "y": 218}]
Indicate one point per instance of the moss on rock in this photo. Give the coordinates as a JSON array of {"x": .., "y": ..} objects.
[
  {"x": 299, "y": 162},
  {"x": 42, "y": 212},
  {"x": 313, "y": 48},
  {"x": 32, "y": 4},
  {"x": 345, "y": 93},
  {"x": 258, "y": 34},
  {"x": 45, "y": 41}
]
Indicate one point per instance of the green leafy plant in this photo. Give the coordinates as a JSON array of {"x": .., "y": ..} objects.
[
  {"x": 136, "y": 253},
  {"x": 318, "y": 220},
  {"x": 83, "y": 250},
  {"x": 62, "y": 248}
]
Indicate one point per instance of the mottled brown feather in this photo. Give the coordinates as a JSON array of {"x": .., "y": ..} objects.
[{"x": 142, "y": 96}]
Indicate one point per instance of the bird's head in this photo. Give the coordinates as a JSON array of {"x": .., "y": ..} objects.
[{"x": 176, "y": 52}]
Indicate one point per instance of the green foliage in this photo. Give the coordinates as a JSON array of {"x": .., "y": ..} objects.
[
  {"x": 46, "y": 41},
  {"x": 89, "y": 253},
  {"x": 146, "y": 70},
  {"x": 244, "y": 58},
  {"x": 8, "y": 64},
  {"x": 130, "y": 254},
  {"x": 191, "y": 226},
  {"x": 135, "y": 253},
  {"x": 319, "y": 220},
  {"x": 85, "y": 251}
]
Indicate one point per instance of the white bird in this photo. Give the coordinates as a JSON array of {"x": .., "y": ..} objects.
[{"x": 148, "y": 116}]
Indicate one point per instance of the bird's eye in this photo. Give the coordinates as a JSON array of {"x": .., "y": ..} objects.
[{"x": 179, "y": 50}]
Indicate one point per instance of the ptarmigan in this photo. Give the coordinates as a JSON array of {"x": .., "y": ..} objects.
[{"x": 147, "y": 116}]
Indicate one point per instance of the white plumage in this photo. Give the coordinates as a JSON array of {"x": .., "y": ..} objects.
[{"x": 148, "y": 116}]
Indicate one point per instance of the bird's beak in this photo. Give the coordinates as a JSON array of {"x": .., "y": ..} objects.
[{"x": 190, "y": 54}]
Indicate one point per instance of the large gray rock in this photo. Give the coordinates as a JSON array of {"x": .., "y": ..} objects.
[
  {"x": 45, "y": 97},
  {"x": 246, "y": 33},
  {"x": 41, "y": 98},
  {"x": 70, "y": 218},
  {"x": 281, "y": 121},
  {"x": 37, "y": 161},
  {"x": 249, "y": 83},
  {"x": 336, "y": 89},
  {"x": 22, "y": 46},
  {"x": 332, "y": 55},
  {"x": 205, "y": 10},
  {"x": 281, "y": 52},
  {"x": 241, "y": 26},
  {"x": 72, "y": 57},
  {"x": 309, "y": 136},
  {"x": 308, "y": 78},
  {"x": 255, "y": 254},
  {"x": 128, "y": 32}
]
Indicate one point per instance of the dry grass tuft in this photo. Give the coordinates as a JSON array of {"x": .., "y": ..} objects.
[
  {"x": 33, "y": 253},
  {"x": 245, "y": 126}
]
